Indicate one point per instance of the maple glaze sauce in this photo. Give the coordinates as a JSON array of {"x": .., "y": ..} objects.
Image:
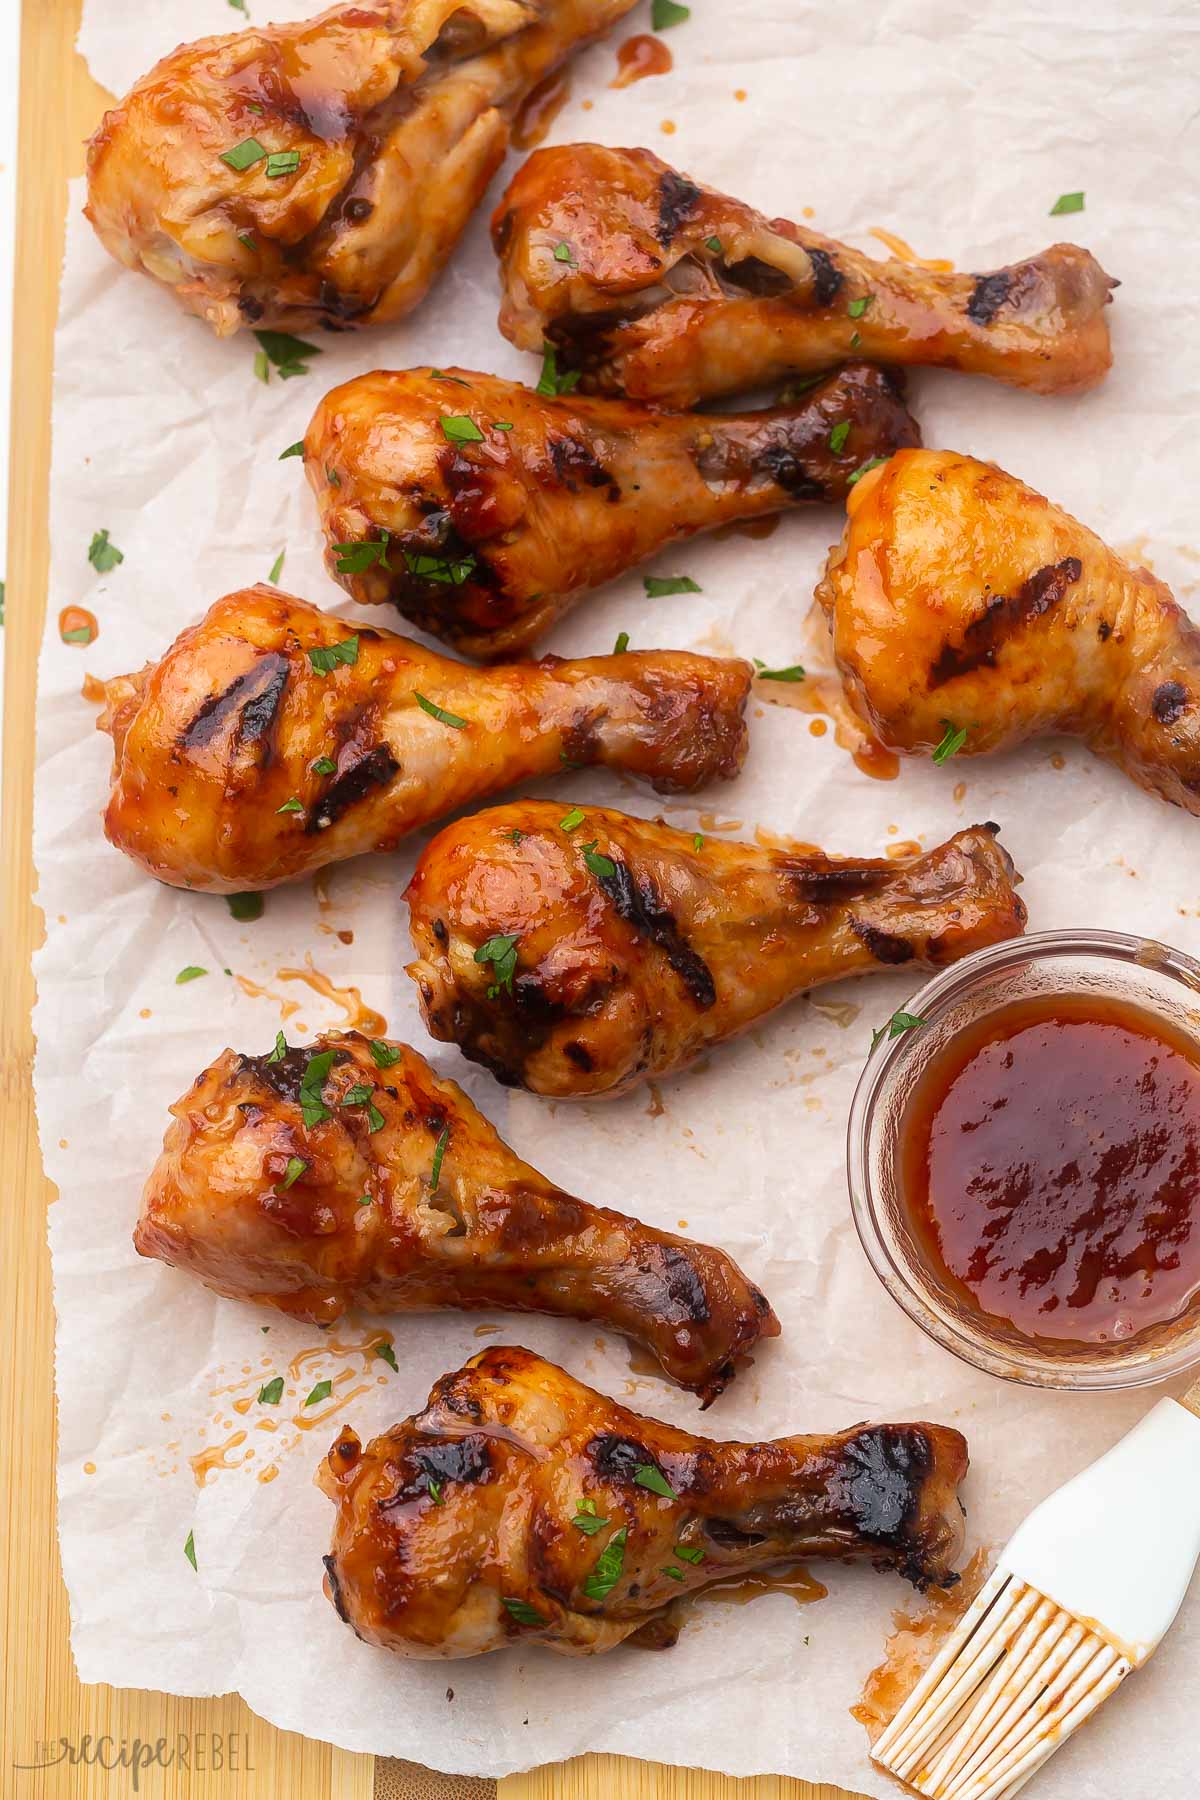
[
  {"x": 539, "y": 109},
  {"x": 1050, "y": 1166},
  {"x": 641, "y": 56}
]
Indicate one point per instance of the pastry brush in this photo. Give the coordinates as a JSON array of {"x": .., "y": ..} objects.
[{"x": 1076, "y": 1601}]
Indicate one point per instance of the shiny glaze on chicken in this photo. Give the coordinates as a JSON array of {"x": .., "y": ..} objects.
[
  {"x": 484, "y": 510},
  {"x": 673, "y": 292},
  {"x": 402, "y": 1198},
  {"x": 362, "y": 140},
  {"x": 633, "y": 951},
  {"x": 522, "y": 1508},
  {"x": 959, "y": 598},
  {"x": 239, "y": 763}
]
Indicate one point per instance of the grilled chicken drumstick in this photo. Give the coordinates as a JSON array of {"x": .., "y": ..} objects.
[
  {"x": 672, "y": 292},
  {"x": 521, "y": 1507},
  {"x": 484, "y": 511},
  {"x": 273, "y": 738},
  {"x": 348, "y": 1175},
  {"x": 321, "y": 173},
  {"x": 959, "y": 599},
  {"x": 575, "y": 956}
]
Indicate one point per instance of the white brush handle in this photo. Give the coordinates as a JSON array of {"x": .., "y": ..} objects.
[{"x": 1127, "y": 1578}]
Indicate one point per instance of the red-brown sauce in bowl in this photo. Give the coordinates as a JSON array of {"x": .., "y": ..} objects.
[{"x": 1051, "y": 1168}]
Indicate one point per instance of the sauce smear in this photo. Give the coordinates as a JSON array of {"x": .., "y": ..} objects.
[
  {"x": 539, "y": 109},
  {"x": 1051, "y": 1168},
  {"x": 641, "y": 56}
]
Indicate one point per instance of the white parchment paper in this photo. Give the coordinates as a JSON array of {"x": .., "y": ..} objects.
[{"x": 955, "y": 123}]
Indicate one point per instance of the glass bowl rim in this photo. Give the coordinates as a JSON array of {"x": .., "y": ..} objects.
[{"x": 1025, "y": 1367}]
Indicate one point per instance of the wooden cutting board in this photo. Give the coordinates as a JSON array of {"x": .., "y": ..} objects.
[{"x": 44, "y": 1704}]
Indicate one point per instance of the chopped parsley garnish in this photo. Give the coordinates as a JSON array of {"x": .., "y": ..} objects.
[
  {"x": 364, "y": 1200},
  {"x": 668, "y": 12},
  {"x": 649, "y": 1475},
  {"x": 296, "y": 1166},
  {"x": 383, "y": 1054},
  {"x": 865, "y": 469},
  {"x": 698, "y": 841},
  {"x": 82, "y": 634},
  {"x": 439, "y": 712},
  {"x": 434, "y": 1490},
  {"x": 572, "y": 820},
  {"x": 587, "y": 1519},
  {"x": 262, "y": 366},
  {"x": 501, "y": 952},
  {"x": 388, "y": 1355},
  {"x": 457, "y": 428},
  {"x": 277, "y": 569},
  {"x": 102, "y": 554},
  {"x": 673, "y": 1572},
  {"x": 326, "y": 657},
  {"x": 244, "y": 155},
  {"x": 357, "y": 1095},
  {"x": 597, "y": 863},
  {"x": 280, "y": 1050},
  {"x": 316, "y": 1073},
  {"x": 713, "y": 244},
  {"x": 691, "y": 1553},
  {"x": 291, "y": 806},
  {"x": 453, "y": 570},
  {"x": 321, "y": 1392},
  {"x": 607, "y": 1572},
  {"x": 439, "y": 1150},
  {"x": 897, "y": 1025},
  {"x": 1067, "y": 203},
  {"x": 838, "y": 436},
  {"x": 514, "y": 836},
  {"x": 282, "y": 162},
  {"x": 658, "y": 586},
  {"x": 952, "y": 741},
  {"x": 191, "y": 973},
  {"x": 296, "y": 449},
  {"x": 245, "y": 907},
  {"x": 522, "y": 1612},
  {"x": 622, "y": 643},
  {"x": 793, "y": 672},
  {"x": 189, "y": 1549},
  {"x": 240, "y": 6},
  {"x": 375, "y": 1119},
  {"x": 353, "y": 558},
  {"x": 324, "y": 765},
  {"x": 857, "y": 308},
  {"x": 271, "y": 1393},
  {"x": 562, "y": 253},
  {"x": 288, "y": 354},
  {"x": 503, "y": 425},
  {"x": 550, "y": 382},
  {"x": 855, "y": 339},
  {"x": 441, "y": 375}
]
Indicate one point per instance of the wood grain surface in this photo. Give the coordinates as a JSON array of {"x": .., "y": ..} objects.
[{"x": 44, "y": 1703}]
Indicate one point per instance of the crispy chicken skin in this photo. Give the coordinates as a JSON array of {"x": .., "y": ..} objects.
[
  {"x": 674, "y": 293},
  {"x": 366, "y": 137},
  {"x": 635, "y": 951},
  {"x": 365, "y": 1224},
  {"x": 486, "y": 542},
  {"x": 960, "y": 597},
  {"x": 238, "y": 764},
  {"x": 521, "y": 1507}
]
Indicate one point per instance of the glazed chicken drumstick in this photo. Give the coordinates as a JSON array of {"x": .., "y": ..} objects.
[
  {"x": 576, "y": 954},
  {"x": 669, "y": 291},
  {"x": 348, "y": 1175},
  {"x": 961, "y": 601},
  {"x": 272, "y": 738},
  {"x": 521, "y": 1507},
  {"x": 321, "y": 173},
  {"x": 484, "y": 510}
]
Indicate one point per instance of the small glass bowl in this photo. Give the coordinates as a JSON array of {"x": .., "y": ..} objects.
[{"x": 1106, "y": 964}]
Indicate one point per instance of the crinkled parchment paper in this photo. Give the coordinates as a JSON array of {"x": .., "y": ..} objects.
[{"x": 955, "y": 123}]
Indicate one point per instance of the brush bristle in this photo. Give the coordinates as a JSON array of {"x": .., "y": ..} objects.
[{"x": 1010, "y": 1684}]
